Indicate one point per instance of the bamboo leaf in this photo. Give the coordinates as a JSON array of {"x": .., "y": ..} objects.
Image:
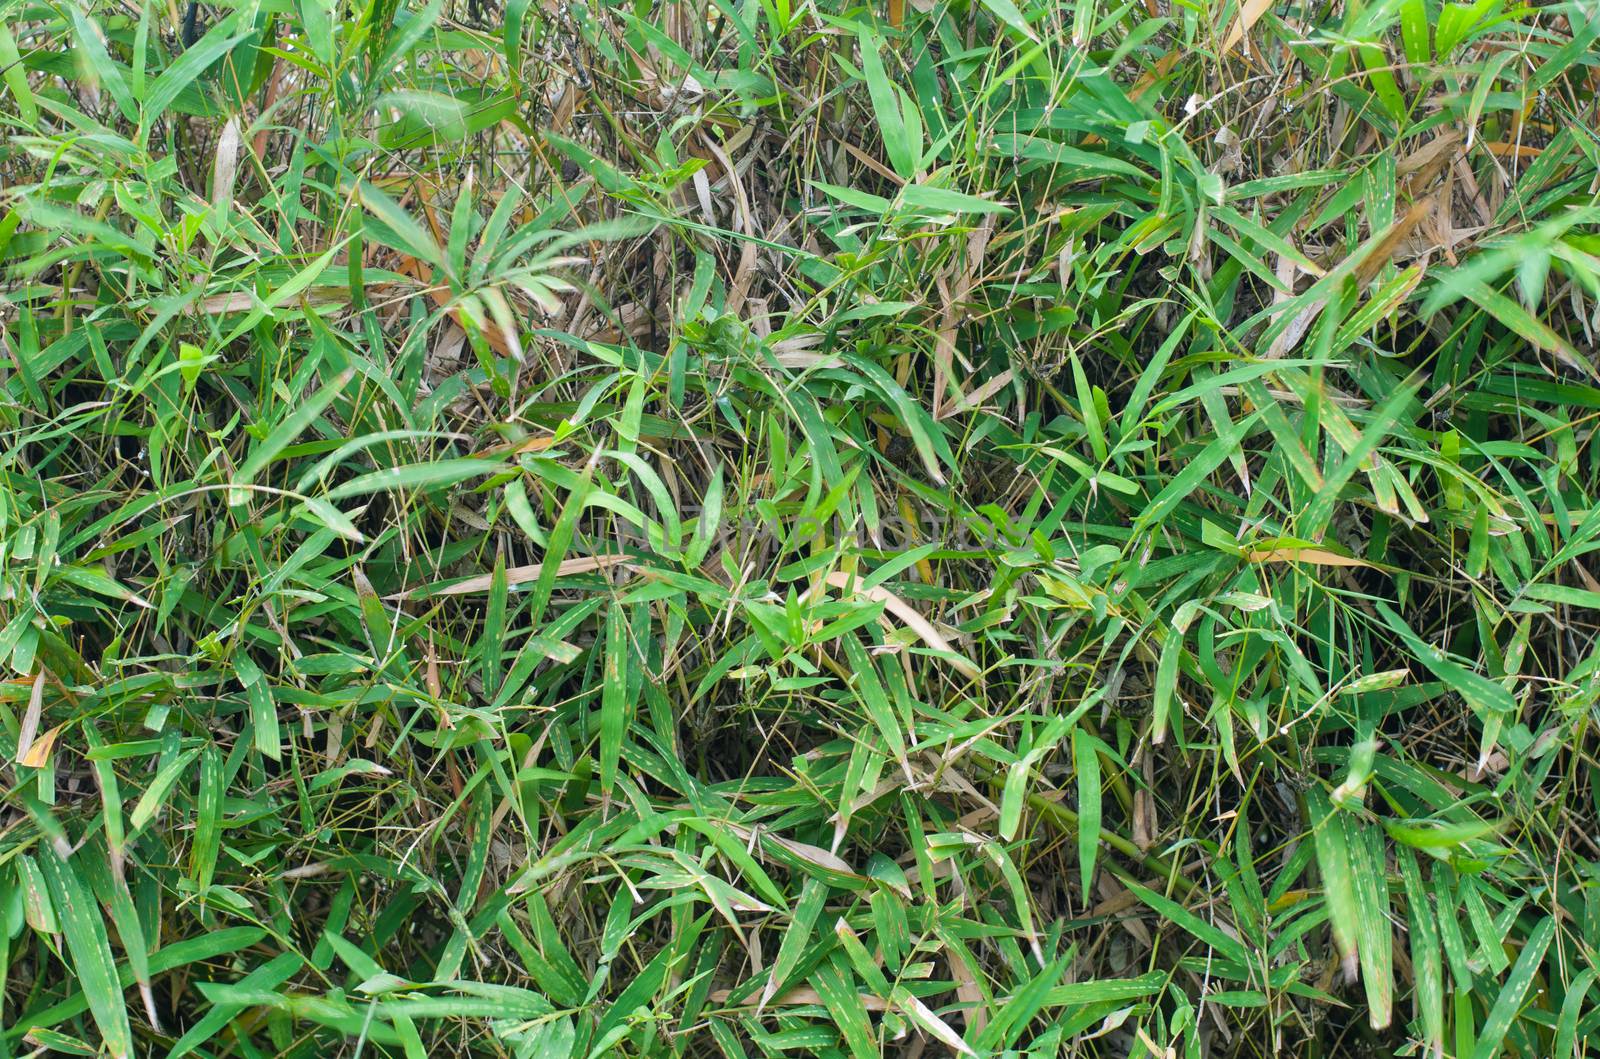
[{"x": 90, "y": 949}]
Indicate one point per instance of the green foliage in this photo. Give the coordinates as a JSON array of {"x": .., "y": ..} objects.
[{"x": 1008, "y": 529}]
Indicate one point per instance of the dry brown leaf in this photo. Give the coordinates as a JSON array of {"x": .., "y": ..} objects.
[
  {"x": 1118, "y": 902},
  {"x": 873, "y": 164},
  {"x": 30, "y": 720},
  {"x": 814, "y": 855},
  {"x": 1586, "y": 577},
  {"x": 536, "y": 444},
  {"x": 1375, "y": 256},
  {"x": 225, "y": 164},
  {"x": 1512, "y": 150},
  {"x": 431, "y": 676},
  {"x": 1162, "y": 68},
  {"x": 954, "y": 296},
  {"x": 800, "y": 995},
  {"x": 1143, "y": 820},
  {"x": 516, "y": 575},
  {"x": 974, "y": 1014},
  {"x": 1110, "y": 1023},
  {"x": 1314, "y": 556},
  {"x": 1152, "y": 1047},
  {"x": 1115, "y": 900},
  {"x": 975, "y": 398},
  {"x": 440, "y": 296},
  {"x": 804, "y": 850},
  {"x": 907, "y": 614},
  {"x": 1291, "y": 335},
  {"x": 745, "y": 272},
  {"x": 1430, "y": 157},
  {"x": 803, "y": 360},
  {"x": 242, "y": 301},
  {"x": 566, "y": 106},
  {"x": 1249, "y": 14},
  {"x": 1462, "y": 171},
  {"x": 258, "y": 145},
  {"x": 1385, "y": 247}
]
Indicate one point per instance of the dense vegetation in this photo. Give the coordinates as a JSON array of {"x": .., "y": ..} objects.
[{"x": 758, "y": 528}]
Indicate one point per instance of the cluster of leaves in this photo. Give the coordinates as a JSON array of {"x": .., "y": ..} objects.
[{"x": 1010, "y": 529}]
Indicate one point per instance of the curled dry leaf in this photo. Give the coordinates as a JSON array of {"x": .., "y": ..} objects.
[{"x": 38, "y": 754}]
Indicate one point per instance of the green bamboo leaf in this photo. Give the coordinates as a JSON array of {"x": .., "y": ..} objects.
[
  {"x": 331, "y": 517},
  {"x": 516, "y": 14},
  {"x": 1492, "y": 1036},
  {"x": 1428, "y": 994},
  {"x": 1106, "y": 990},
  {"x": 302, "y": 416},
  {"x": 62, "y": 1043},
  {"x": 1086, "y": 761},
  {"x": 205, "y": 946},
  {"x": 267, "y": 740},
  {"x": 1479, "y": 691},
  {"x": 1008, "y": 13},
  {"x": 1195, "y": 471},
  {"x": 191, "y": 62},
  {"x": 1053, "y": 153},
  {"x": 613, "y": 695},
  {"x": 926, "y": 435},
  {"x": 926, "y": 1019},
  {"x": 99, "y": 65},
  {"x": 1227, "y": 946},
  {"x": 110, "y": 794},
  {"x": 838, "y": 991},
  {"x": 411, "y": 33},
  {"x": 37, "y": 909},
  {"x": 491, "y": 642},
  {"x": 106, "y": 881},
  {"x": 1013, "y": 795},
  {"x": 1456, "y": 21},
  {"x": 1331, "y": 836},
  {"x": 420, "y": 476},
  {"x": 944, "y": 200},
  {"x": 90, "y": 949},
  {"x": 873, "y": 204},
  {"x": 560, "y": 541},
  {"x": 15, "y": 77},
  {"x": 208, "y": 819},
  {"x": 869, "y": 689},
  {"x": 1165, "y": 703},
  {"x": 1414, "y": 32},
  {"x": 1566, "y": 1042},
  {"x": 155, "y": 795},
  {"x": 282, "y": 294},
  {"x": 1450, "y": 933},
  {"x": 411, "y": 236},
  {"x": 96, "y": 581},
  {"x": 903, "y": 155},
  {"x": 1376, "y": 939}
]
